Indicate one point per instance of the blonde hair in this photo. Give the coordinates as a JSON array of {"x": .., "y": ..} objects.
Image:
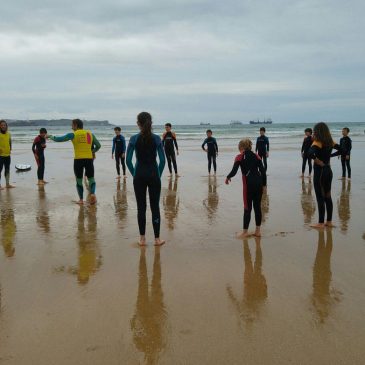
[{"x": 245, "y": 144}]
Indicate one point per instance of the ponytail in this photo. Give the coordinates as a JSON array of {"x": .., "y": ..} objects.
[{"x": 144, "y": 120}]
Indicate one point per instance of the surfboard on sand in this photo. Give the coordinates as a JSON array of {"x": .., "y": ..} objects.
[{"x": 23, "y": 167}]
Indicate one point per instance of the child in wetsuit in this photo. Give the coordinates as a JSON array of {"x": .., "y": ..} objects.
[
  {"x": 169, "y": 143},
  {"x": 211, "y": 150},
  {"x": 262, "y": 146},
  {"x": 5, "y": 152},
  {"x": 253, "y": 179},
  {"x": 321, "y": 153},
  {"x": 118, "y": 151},
  {"x": 307, "y": 142},
  {"x": 39, "y": 145},
  {"x": 346, "y": 146}
]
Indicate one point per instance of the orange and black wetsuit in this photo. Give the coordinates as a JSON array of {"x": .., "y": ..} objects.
[
  {"x": 39, "y": 144},
  {"x": 323, "y": 177},
  {"x": 253, "y": 179}
]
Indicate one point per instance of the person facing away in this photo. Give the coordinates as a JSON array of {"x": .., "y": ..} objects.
[
  {"x": 321, "y": 153},
  {"x": 211, "y": 150},
  {"x": 262, "y": 146},
  {"x": 38, "y": 147},
  {"x": 346, "y": 146},
  {"x": 169, "y": 142},
  {"x": 146, "y": 174},
  {"x": 85, "y": 146},
  {"x": 253, "y": 179},
  {"x": 118, "y": 151},
  {"x": 5, "y": 152},
  {"x": 307, "y": 142}
]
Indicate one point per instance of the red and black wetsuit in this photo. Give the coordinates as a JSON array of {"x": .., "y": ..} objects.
[
  {"x": 253, "y": 179},
  {"x": 39, "y": 144}
]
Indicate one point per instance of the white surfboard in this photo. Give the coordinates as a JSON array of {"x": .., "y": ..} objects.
[{"x": 23, "y": 167}]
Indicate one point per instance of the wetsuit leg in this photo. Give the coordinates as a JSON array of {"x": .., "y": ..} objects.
[
  {"x": 257, "y": 206},
  {"x": 304, "y": 163},
  {"x": 326, "y": 186},
  {"x": 79, "y": 173},
  {"x": 89, "y": 173},
  {"x": 40, "y": 171},
  {"x": 264, "y": 159},
  {"x": 1, "y": 165},
  {"x": 140, "y": 190},
  {"x": 117, "y": 162},
  {"x": 210, "y": 157},
  {"x": 214, "y": 163},
  {"x": 318, "y": 172},
  {"x": 168, "y": 157},
  {"x": 310, "y": 165},
  {"x": 173, "y": 159},
  {"x": 154, "y": 191},
  {"x": 343, "y": 163},
  {"x": 122, "y": 160},
  {"x": 247, "y": 211},
  {"x": 348, "y": 169},
  {"x": 7, "y": 161}
]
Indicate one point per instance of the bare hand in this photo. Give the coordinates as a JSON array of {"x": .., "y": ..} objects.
[
  {"x": 123, "y": 155},
  {"x": 112, "y": 157},
  {"x": 347, "y": 157},
  {"x": 177, "y": 152},
  {"x": 227, "y": 181},
  {"x": 267, "y": 154}
]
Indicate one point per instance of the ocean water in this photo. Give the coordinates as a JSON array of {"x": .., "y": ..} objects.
[{"x": 285, "y": 135}]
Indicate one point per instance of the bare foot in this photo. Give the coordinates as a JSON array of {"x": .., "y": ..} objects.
[
  {"x": 349, "y": 178},
  {"x": 257, "y": 232},
  {"x": 142, "y": 241},
  {"x": 301, "y": 176},
  {"x": 342, "y": 178},
  {"x": 1, "y": 188},
  {"x": 159, "y": 242},
  {"x": 40, "y": 183},
  {"x": 243, "y": 234},
  {"x": 80, "y": 202},
  {"x": 118, "y": 177},
  {"x": 329, "y": 224},
  {"x": 317, "y": 225},
  {"x": 93, "y": 199},
  {"x": 177, "y": 175},
  {"x": 10, "y": 186},
  {"x": 124, "y": 177}
]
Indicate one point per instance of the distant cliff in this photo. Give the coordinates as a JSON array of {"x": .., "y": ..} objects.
[{"x": 55, "y": 122}]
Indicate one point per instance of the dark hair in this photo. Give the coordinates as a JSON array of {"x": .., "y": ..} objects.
[
  {"x": 347, "y": 129},
  {"x": 144, "y": 121},
  {"x": 42, "y": 130},
  {"x": 78, "y": 123},
  {"x": 262, "y": 129},
  {"x": 308, "y": 130},
  {"x": 209, "y": 131},
  {"x": 117, "y": 129},
  {"x": 323, "y": 134},
  {"x": 168, "y": 125}
]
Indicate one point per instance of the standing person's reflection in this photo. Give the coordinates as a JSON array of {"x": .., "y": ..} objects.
[
  {"x": 42, "y": 212},
  {"x": 254, "y": 285},
  {"x": 148, "y": 322},
  {"x": 308, "y": 204},
  {"x": 323, "y": 296},
  {"x": 211, "y": 203},
  {"x": 343, "y": 205},
  {"x": 265, "y": 205},
  {"x": 171, "y": 204},
  {"x": 89, "y": 257},
  {"x": 121, "y": 202},
  {"x": 8, "y": 225}
]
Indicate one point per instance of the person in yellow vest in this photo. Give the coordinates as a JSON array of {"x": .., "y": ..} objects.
[
  {"x": 5, "y": 152},
  {"x": 85, "y": 145}
]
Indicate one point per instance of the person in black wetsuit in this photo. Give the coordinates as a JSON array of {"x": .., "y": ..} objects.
[
  {"x": 253, "y": 179},
  {"x": 346, "y": 146},
  {"x": 321, "y": 153},
  {"x": 307, "y": 142},
  {"x": 169, "y": 142},
  {"x": 262, "y": 146},
  {"x": 118, "y": 150},
  {"x": 146, "y": 174},
  {"x": 39, "y": 145},
  {"x": 212, "y": 151}
]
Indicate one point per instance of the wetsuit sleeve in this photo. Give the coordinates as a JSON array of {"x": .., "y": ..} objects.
[
  {"x": 65, "y": 138},
  {"x": 161, "y": 156},
  {"x": 215, "y": 145},
  {"x": 339, "y": 150},
  {"x": 113, "y": 145},
  {"x": 312, "y": 153},
  {"x": 175, "y": 142},
  {"x": 262, "y": 171},
  {"x": 204, "y": 143},
  {"x": 123, "y": 145},
  {"x": 235, "y": 167},
  {"x": 267, "y": 144},
  {"x": 130, "y": 151},
  {"x": 96, "y": 144},
  {"x": 34, "y": 145},
  {"x": 163, "y": 139},
  {"x": 257, "y": 147}
]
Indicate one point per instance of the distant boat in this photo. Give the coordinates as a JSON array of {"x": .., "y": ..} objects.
[
  {"x": 204, "y": 124},
  {"x": 268, "y": 121},
  {"x": 235, "y": 123}
]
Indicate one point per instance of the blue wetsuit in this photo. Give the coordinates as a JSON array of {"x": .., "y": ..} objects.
[
  {"x": 147, "y": 174},
  {"x": 118, "y": 149},
  {"x": 211, "y": 143}
]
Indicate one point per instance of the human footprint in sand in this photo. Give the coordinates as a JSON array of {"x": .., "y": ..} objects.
[{"x": 254, "y": 181}]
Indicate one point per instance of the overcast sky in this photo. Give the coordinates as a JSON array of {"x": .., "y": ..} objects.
[{"x": 184, "y": 61}]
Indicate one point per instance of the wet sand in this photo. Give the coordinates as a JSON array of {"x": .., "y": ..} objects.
[{"x": 76, "y": 289}]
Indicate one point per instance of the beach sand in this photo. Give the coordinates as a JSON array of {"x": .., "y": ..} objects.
[{"x": 76, "y": 289}]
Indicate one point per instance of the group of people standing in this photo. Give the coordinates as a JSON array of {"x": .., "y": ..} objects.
[{"x": 146, "y": 171}]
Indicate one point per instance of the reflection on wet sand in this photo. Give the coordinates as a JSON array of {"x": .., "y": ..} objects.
[
  {"x": 149, "y": 321},
  {"x": 8, "y": 225},
  {"x": 307, "y": 201},
  {"x": 343, "y": 205},
  {"x": 323, "y": 296},
  {"x": 265, "y": 203},
  {"x": 42, "y": 212},
  {"x": 121, "y": 203},
  {"x": 89, "y": 256},
  {"x": 254, "y": 286},
  {"x": 171, "y": 204},
  {"x": 211, "y": 203}
]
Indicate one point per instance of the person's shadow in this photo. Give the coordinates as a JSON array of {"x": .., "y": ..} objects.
[
  {"x": 254, "y": 292},
  {"x": 323, "y": 296},
  {"x": 148, "y": 323},
  {"x": 343, "y": 205},
  {"x": 7, "y": 224},
  {"x": 212, "y": 200},
  {"x": 308, "y": 204},
  {"x": 171, "y": 204}
]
